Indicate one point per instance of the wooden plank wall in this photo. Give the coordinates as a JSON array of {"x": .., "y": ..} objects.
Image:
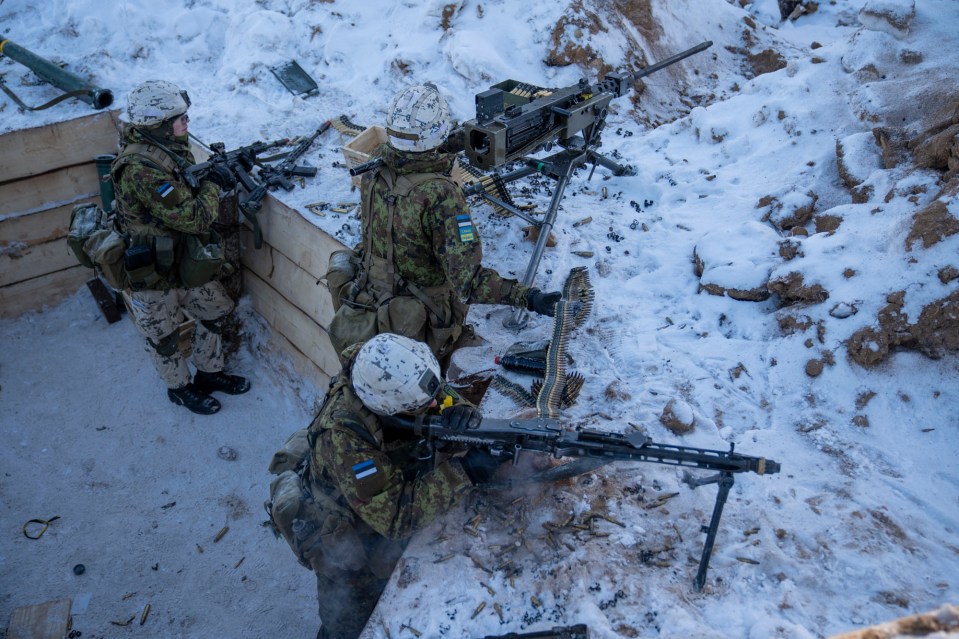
[
  {"x": 44, "y": 172},
  {"x": 283, "y": 280}
]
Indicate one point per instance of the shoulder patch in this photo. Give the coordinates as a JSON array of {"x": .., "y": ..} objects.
[
  {"x": 369, "y": 479},
  {"x": 167, "y": 194},
  {"x": 465, "y": 224}
]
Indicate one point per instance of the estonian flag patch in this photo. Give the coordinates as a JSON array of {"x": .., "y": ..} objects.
[
  {"x": 364, "y": 469},
  {"x": 467, "y": 234},
  {"x": 165, "y": 189}
]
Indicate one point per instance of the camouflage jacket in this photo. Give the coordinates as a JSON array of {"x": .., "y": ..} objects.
[
  {"x": 434, "y": 239},
  {"x": 148, "y": 193},
  {"x": 378, "y": 474}
]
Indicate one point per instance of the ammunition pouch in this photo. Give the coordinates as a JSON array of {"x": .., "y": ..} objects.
[
  {"x": 201, "y": 258},
  {"x": 352, "y": 323},
  {"x": 140, "y": 266}
]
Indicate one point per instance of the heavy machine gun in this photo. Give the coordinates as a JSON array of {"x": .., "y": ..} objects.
[
  {"x": 594, "y": 448},
  {"x": 514, "y": 119}
]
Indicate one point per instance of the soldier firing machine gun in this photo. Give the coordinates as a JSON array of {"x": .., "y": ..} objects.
[
  {"x": 241, "y": 162},
  {"x": 594, "y": 448}
]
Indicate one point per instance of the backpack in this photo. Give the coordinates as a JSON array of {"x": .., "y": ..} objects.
[
  {"x": 97, "y": 244},
  {"x": 319, "y": 531}
]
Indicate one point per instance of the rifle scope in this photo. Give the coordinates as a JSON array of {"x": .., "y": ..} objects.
[{"x": 60, "y": 78}]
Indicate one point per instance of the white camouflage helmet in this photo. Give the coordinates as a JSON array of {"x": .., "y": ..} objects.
[
  {"x": 394, "y": 374},
  {"x": 156, "y": 101},
  {"x": 419, "y": 119}
]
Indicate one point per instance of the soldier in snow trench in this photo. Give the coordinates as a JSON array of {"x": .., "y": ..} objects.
[
  {"x": 173, "y": 254},
  {"x": 419, "y": 263},
  {"x": 371, "y": 485}
]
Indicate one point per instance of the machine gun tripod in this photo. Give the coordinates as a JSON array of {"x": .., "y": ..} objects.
[{"x": 560, "y": 167}]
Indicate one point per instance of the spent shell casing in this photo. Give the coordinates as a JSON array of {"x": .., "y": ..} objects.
[
  {"x": 585, "y": 220},
  {"x": 583, "y": 253},
  {"x": 478, "y": 610},
  {"x": 145, "y": 614},
  {"x": 217, "y": 537}
]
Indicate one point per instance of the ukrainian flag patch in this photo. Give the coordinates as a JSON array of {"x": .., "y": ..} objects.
[
  {"x": 164, "y": 190},
  {"x": 465, "y": 224},
  {"x": 364, "y": 469}
]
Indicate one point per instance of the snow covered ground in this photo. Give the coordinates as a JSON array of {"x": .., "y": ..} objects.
[{"x": 859, "y": 527}]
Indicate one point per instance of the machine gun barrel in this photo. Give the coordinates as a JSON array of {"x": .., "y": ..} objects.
[
  {"x": 72, "y": 84},
  {"x": 662, "y": 64}
]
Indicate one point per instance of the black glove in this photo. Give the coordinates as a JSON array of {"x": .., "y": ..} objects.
[
  {"x": 461, "y": 417},
  {"x": 542, "y": 303},
  {"x": 222, "y": 176},
  {"x": 480, "y": 466}
]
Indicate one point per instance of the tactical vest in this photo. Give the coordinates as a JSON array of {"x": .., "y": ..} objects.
[{"x": 165, "y": 244}]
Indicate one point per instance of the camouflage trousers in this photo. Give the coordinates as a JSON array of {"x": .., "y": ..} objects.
[
  {"x": 158, "y": 315},
  {"x": 347, "y": 597}
]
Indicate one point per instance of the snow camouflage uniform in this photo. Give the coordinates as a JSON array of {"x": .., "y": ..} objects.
[
  {"x": 383, "y": 493},
  {"x": 422, "y": 266},
  {"x": 153, "y": 201}
]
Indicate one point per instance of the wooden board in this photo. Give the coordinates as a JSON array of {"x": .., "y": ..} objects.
[
  {"x": 46, "y": 290},
  {"x": 55, "y": 146},
  {"x": 296, "y": 285},
  {"x": 293, "y": 324},
  {"x": 295, "y": 365},
  {"x": 26, "y": 262},
  {"x": 51, "y": 189},
  {"x": 50, "y": 620},
  {"x": 287, "y": 231}
]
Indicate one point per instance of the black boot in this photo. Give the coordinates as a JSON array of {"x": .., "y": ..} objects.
[
  {"x": 194, "y": 399},
  {"x": 220, "y": 381}
]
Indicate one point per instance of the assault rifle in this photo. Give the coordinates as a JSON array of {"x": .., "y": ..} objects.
[
  {"x": 594, "y": 448},
  {"x": 514, "y": 119},
  {"x": 278, "y": 176},
  {"x": 241, "y": 162}
]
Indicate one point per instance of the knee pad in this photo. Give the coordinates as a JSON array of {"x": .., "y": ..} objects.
[
  {"x": 167, "y": 345},
  {"x": 216, "y": 325}
]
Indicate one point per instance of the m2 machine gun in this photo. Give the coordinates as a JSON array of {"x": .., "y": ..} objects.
[
  {"x": 515, "y": 119},
  {"x": 593, "y": 448}
]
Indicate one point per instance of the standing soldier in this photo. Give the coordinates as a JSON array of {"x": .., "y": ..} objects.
[
  {"x": 174, "y": 254},
  {"x": 421, "y": 258}
]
